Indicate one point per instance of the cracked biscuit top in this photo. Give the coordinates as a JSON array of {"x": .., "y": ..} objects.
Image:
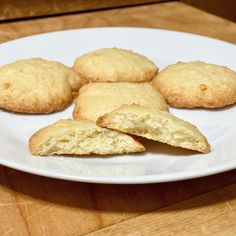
[
  {"x": 114, "y": 65},
  {"x": 197, "y": 84},
  {"x": 36, "y": 86}
]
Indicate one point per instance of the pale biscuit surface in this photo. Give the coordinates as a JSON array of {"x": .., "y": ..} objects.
[
  {"x": 156, "y": 125},
  {"x": 114, "y": 65},
  {"x": 97, "y": 99},
  {"x": 197, "y": 84},
  {"x": 81, "y": 138},
  {"x": 37, "y": 86}
]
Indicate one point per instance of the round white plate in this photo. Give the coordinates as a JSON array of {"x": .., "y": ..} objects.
[{"x": 160, "y": 163}]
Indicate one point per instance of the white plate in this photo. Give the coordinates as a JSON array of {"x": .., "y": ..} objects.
[{"x": 160, "y": 163}]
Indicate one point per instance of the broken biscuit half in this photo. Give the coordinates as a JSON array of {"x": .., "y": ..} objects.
[
  {"x": 155, "y": 125},
  {"x": 84, "y": 137}
]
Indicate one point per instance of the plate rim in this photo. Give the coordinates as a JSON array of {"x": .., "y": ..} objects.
[
  {"x": 120, "y": 27},
  {"x": 142, "y": 179}
]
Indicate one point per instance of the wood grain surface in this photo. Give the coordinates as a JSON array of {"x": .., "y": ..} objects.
[
  {"x": 34, "y": 205},
  {"x": 15, "y": 9},
  {"x": 173, "y": 15}
]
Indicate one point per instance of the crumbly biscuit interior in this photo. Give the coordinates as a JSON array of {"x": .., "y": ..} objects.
[
  {"x": 69, "y": 141},
  {"x": 161, "y": 129}
]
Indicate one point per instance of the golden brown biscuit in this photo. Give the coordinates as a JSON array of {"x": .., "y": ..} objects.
[
  {"x": 156, "y": 125},
  {"x": 81, "y": 138},
  {"x": 37, "y": 86},
  {"x": 114, "y": 65},
  {"x": 197, "y": 84},
  {"x": 97, "y": 99}
]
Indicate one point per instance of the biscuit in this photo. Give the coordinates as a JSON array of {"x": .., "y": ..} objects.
[
  {"x": 197, "y": 84},
  {"x": 81, "y": 138},
  {"x": 37, "y": 86},
  {"x": 156, "y": 125},
  {"x": 114, "y": 65},
  {"x": 97, "y": 99}
]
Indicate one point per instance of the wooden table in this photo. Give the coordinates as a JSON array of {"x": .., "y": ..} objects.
[{"x": 34, "y": 205}]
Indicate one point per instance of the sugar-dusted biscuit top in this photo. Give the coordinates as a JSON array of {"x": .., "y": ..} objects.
[
  {"x": 156, "y": 125},
  {"x": 114, "y": 65},
  {"x": 96, "y": 99},
  {"x": 37, "y": 86},
  {"x": 197, "y": 84},
  {"x": 83, "y": 137}
]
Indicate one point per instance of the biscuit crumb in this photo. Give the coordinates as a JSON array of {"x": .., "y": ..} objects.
[
  {"x": 6, "y": 85},
  {"x": 203, "y": 87}
]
